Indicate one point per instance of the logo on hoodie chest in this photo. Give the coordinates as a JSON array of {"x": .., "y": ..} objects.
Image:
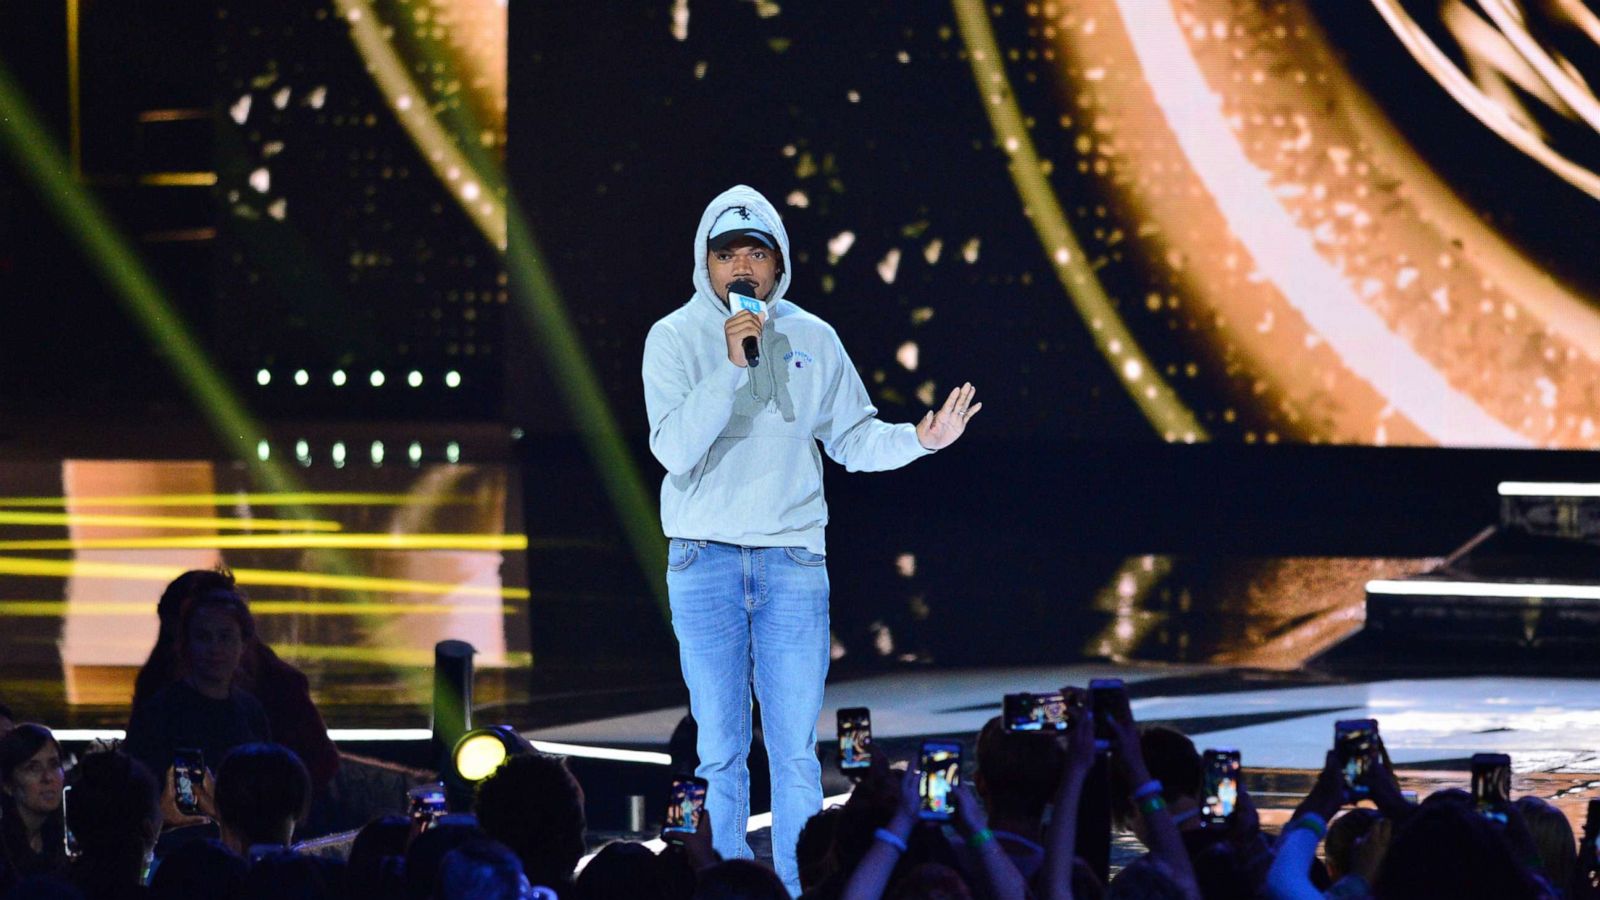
[{"x": 799, "y": 359}]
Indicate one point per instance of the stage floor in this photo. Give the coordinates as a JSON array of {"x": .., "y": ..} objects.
[{"x": 1281, "y": 722}]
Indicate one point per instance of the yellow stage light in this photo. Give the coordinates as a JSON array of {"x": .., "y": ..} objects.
[{"x": 482, "y": 750}]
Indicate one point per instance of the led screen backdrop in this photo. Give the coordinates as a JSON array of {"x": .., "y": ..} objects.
[{"x": 1255, "y": 221}]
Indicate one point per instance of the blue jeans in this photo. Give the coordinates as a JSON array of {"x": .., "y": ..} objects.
[{"x": 758, "y": 615}]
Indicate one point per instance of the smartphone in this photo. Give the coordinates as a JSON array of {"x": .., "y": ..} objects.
[
  {"x": 855, "y": 740},
  {"x": 940, "y": 764},
  {"x": 1222, "y": 786},
  {"x": 188, "y": 770},
  {"x": 1108, "y": 699},
  {"x": 684, "y": 807},
  {"x": 1491, "y": 785},
  {"x": 1358, "y": 746},
  {"x": 69, "y": 842},
  {"x": 425, "y": 804},
  {"x": 1034, "y": 713}
]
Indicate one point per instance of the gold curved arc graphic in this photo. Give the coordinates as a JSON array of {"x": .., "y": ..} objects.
[
  {"x": 1161, "y": 405},
  {"x": 1452, "y": 79}
]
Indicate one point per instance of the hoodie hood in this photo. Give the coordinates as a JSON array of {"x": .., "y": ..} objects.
[{"x": 770, "y": 221}]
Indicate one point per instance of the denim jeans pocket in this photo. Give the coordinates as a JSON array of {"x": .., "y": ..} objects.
[
  {"x": 680, "y": 554},
  {"x": 805, "y": 557}
]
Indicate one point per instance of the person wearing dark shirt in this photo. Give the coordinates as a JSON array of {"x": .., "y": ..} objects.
[
  {"x": 283, "y": 690},
  {"x": 31, "y": 775},
  {"x": 115, "y": 816},
  {"x": 205, "y": 709}
]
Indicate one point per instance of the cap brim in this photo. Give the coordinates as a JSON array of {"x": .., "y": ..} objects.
[{"x": 722, "y": 240}]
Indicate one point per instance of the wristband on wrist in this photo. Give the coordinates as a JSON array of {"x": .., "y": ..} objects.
[
  {"x": 979, "y": 838},
  {"x": 1152, "y": 804},
  {"x": 1311, "y": 822},
  {"x": 1148, "y": 789},
  {"x": 890, "y": 838}
]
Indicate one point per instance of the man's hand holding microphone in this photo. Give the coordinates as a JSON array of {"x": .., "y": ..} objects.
[{"x": 743, "y": 328}]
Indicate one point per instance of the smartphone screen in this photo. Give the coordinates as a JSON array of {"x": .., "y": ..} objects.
[
  {"x": 1108, "y": 699},
  {"x": 855, "y": 739},
  {"x": 1222, "y": 786},
  {"x": 1034, "y": 712},
  {"x": 940, "y": 764},
  {"x": 685, "y": 805},
  {"x": 426, "y": 803},
  {"x": 188, "y": 770},
  {"x": 1491, "y": 785},
  {"x": 69, "y": 842},
  {"x": 1358, "y": 746}
]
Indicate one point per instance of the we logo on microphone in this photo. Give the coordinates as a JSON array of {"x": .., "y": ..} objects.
[{"x": 741, "y": 302}]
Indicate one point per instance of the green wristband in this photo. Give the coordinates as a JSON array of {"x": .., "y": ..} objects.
[
  {"x": 1152, "y": 804},
  {"x": 979, "y": 838}
]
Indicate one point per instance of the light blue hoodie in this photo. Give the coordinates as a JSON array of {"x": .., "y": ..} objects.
[{"x": 740, "y": 445}]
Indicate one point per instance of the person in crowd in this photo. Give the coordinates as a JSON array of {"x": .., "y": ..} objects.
[
  {"x": 205, "y": 709},
  {"x": 534, "y": 805},
  {"x": 623, "y": 870},
  {"x": 32, "y": 772},
  {"x": 8, "y": 719},
  {"x": 262, "y": 792},
  {"x": 483, "y": 870},
  {"x": 282, "y": 690},
  {"x": 199, "y": 870},
  {"x": 1168, "y": 858},
  {"x": 377, "y": 857},
  {"x": 1552, "y": 837},
  {"x": 1016, "y": 777},
  {"x": 427, "y": 852},
  {"x": 278, "y": 874},
  {"x": 115, "y": 817},
  {"x": 996, "y": 870},
  {"x": 740, "y": 879},
  {"x": 814, "y": 851}
]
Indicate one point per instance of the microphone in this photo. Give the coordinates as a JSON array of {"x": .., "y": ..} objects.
[{"x": 742, "y": 296}]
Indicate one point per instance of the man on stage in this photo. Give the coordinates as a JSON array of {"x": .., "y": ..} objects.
[{"x": 743, "y": 510}]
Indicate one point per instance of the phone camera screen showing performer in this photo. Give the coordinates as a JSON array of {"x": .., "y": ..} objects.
[
  {"x": 855, "y": 739},
  {"x": 1222, "y": 786},
  {"x": 1035, "y": 712},
  {"x": 1359, "y": 748},
  {"x": 1491, "y": 785},
  {"x": 684, "y": 807},
  {"x": 940, "y": 764}
]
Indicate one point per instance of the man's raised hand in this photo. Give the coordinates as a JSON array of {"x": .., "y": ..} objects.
[{"x": 940, "y": 429}]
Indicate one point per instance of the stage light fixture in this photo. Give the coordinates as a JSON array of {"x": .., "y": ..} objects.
[
  {"x": 377, "y": 453},
  {"x": 377, "y": 378},
  {"x": 452, "y": 452},
  {"x": 339, "y": 378},
  {"x": 302, "y": 377},
  {"x": 338, "y": 455},
  {"x": 482, "y": 750},
  {"x": 414, "y": 379},
  {"x": 263, "y": 378},
  {"x": 414, "y": 453},
  {"x": 263, "y": 450},
  {"x": 452, "y": 379}
]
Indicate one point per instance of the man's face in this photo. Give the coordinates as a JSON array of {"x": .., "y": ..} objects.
[{"x": 746, "y": 259}]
